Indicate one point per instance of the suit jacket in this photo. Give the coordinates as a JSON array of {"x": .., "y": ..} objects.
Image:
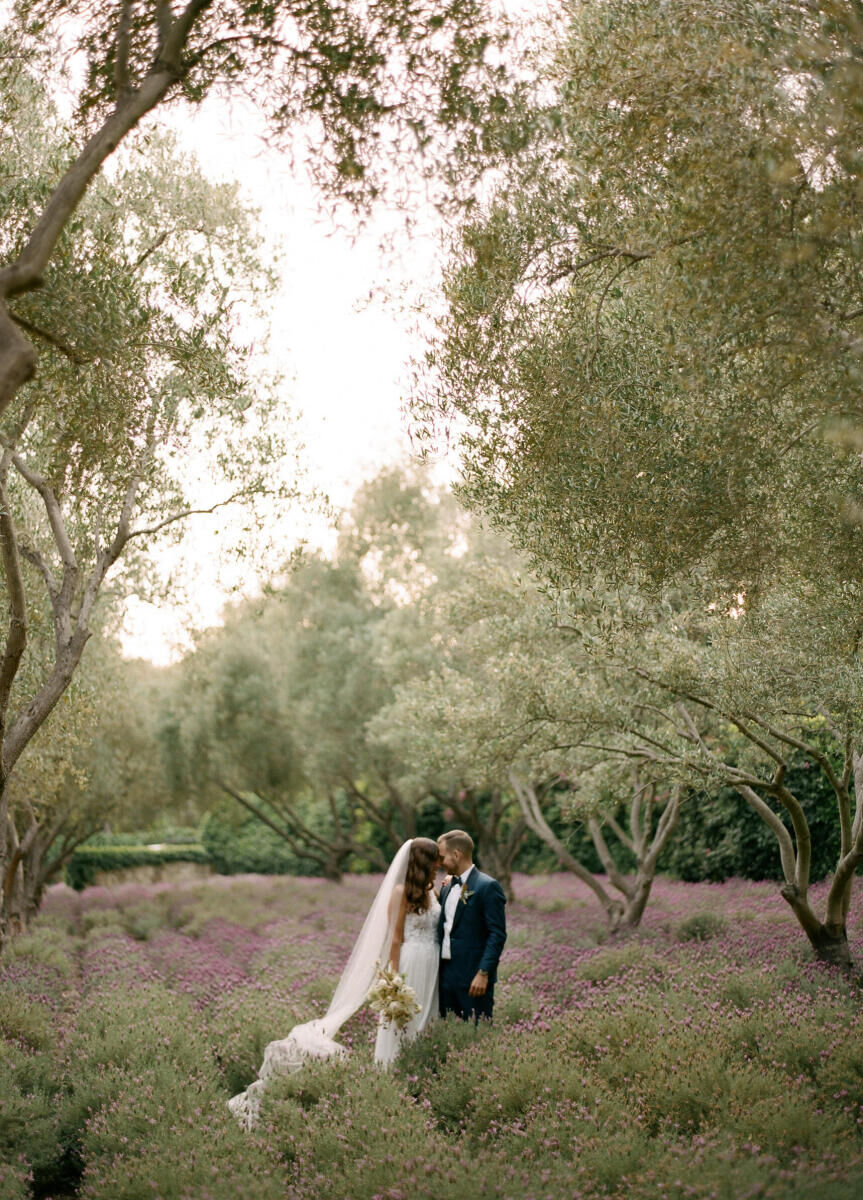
[{"x": 478, "y": 929}]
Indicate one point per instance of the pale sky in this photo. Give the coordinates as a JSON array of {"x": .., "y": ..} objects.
[{"x": 343, "y": 359}]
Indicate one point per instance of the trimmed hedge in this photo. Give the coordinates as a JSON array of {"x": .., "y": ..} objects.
[
  {"x": 169, "y": 835},
  {"x": 88, "y": 860}
]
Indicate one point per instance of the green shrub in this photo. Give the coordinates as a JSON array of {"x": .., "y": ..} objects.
[
  {"x": 46, "y": 946},
  {"x": 87, "y": 860},
  {"x": 700, "y": 927},
  {"x": 612, "y": 961},
  {"x": 238, "y": 1028},
  {"x": 433, "y": 1066},
  {"x": 24, "y": 1019},
  {"x": 168, "y": 1133},
  {"x": 172, "y": 835},
  {"x": 349, "y": 1130},
  {"x": 15, "y": 1180}
]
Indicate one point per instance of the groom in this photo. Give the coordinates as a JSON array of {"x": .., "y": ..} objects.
[{"x": 472, "y": 931}]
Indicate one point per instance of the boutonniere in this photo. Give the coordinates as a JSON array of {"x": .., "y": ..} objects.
[{"x": 465, "y": 894}]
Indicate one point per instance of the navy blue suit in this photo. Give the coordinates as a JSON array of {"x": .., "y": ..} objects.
[{"x": 476, "y": 940}]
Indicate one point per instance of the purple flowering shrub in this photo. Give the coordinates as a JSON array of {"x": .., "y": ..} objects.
[{"x": 701, "y": 1056}]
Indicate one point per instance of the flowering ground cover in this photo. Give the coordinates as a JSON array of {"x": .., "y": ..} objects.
[{"x": 702, "y": 1056}]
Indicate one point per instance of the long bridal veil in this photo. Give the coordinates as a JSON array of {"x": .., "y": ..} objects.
[{"x": 314, "y": 1039}]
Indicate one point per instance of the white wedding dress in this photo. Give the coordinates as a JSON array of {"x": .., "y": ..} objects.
[
  {"x": 315, "y": 1039},
  {"x": 419, "y": 963}
]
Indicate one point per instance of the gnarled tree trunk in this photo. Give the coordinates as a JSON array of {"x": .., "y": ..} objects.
[{"x": 645, "y": 844}]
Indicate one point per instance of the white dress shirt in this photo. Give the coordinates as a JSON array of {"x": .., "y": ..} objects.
[{"x": 449, "y": 911}]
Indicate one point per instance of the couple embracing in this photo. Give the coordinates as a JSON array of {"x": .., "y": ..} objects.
[{"x": 445, "y": 944}]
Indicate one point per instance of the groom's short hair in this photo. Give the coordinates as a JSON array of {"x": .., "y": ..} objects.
[{"x": 458, "y": 840}]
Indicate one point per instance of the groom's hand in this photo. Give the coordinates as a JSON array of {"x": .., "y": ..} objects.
[{"x": 479, "y": 985}]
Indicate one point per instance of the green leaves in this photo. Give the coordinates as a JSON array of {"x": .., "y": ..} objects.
[{"x": 642, "y": 343}]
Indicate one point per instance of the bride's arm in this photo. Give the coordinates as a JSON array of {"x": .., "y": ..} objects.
[{"x": 399, "y": 898}]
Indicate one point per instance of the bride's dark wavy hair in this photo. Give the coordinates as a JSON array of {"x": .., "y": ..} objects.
[{"x": 422, "y": 865}]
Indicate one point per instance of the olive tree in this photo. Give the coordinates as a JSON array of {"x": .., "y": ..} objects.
[
  {"x": 94, "y": 457},
  {"x": 649, "y": 356},
  {"x": 273, "y": 707},
  {"x": 509, "y": 709}
]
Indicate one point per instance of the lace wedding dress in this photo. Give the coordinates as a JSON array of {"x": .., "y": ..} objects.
[{"x": 418, "y": 962}]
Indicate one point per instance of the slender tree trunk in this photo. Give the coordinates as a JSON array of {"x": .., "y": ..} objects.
[
  {"x": 648, "y": 850},
  {"x": 828, "y": 938},
  {"x": 637, "y": 902},
  {"x": 16, "y": 849},
  {"x": 5, "y": 864}
]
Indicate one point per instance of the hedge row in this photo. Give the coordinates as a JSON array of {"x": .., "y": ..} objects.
[
  {"x": 167, "y": 835},
  {"x": 84, "y": 864}
]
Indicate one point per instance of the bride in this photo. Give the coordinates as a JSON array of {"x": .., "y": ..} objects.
[
  {"x": 414, "y": 950},
  {"x": 401, "y": 928}
]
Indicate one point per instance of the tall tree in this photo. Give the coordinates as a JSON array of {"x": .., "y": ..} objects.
[
  {"x": 274, "y": 707},
  {"x": 650, "y": 349},
  {"x": 94, "y": 461},
  {"x": 91, "y": 763},
  {"x": 507, "y": 710}
]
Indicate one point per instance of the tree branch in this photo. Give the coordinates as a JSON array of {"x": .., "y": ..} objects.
[
  {"x": 16, "y": 637},
  {"x": 36, "y": 559},
  {"x": 121, "y": 55},
  {"x": 620, "y": 833},
  {"x": 17, "y": 356},
  {"x": 51, "y": 339},
  {"x": 605, "y": 857},
  {"x": 766, "y": 813},
  {"x": 529, "y": 804},
  {"x": 181, "y": 516},
  {"x": 36, "y": 712}
]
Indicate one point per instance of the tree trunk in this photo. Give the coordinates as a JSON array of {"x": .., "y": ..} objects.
[
  {"x": 647, "y": 851},
  {"x": 832, "y": 947},
  {"x": 4, "y": 864},
  {"x": 637, "y": 900},
  {"x": 829, "y": 940},
  {"x": 497, "y": 860}
]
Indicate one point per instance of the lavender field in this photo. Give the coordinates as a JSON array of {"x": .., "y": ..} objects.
[{"x": 704, "y": 1056}]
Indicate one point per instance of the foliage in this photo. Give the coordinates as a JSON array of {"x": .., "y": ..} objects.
[
  {"x": 649, "y": 354},
  {"x": 274, "y": 708},
  {"x": 719, "y": 836},
  {"x": 362, "y": 90},
  {"x": 142, "y": 373},
  {"x": 651, "y": 322},
  {"x": 700, "y": 926},
  {"x": 172, "y": 835},
  {"x": 237, "y": 842}
]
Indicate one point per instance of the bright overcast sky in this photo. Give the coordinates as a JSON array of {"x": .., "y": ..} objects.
[{"x": 343, "y": 360}]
